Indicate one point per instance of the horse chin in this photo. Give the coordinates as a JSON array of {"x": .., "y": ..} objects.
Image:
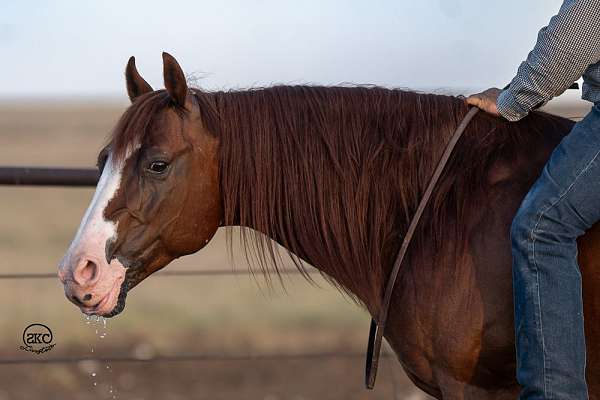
[
  {"x": 135, "y": 273},
  {"x": 120, "y": 306},
  {"x": 132, "y": 278}
]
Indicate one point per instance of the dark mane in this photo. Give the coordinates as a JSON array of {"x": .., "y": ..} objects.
[{"x": 334, "y": 174}]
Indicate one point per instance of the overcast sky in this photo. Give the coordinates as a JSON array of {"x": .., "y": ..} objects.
[{"x": 79, "y": 48}]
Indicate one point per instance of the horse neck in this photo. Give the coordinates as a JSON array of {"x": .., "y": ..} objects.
[{"x": 335, "y": 201}]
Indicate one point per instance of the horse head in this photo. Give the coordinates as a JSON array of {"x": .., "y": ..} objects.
[{"x": 145, "y": 212}]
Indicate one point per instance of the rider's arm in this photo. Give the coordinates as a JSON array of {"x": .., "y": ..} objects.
[{"x": 564, "y": 49}]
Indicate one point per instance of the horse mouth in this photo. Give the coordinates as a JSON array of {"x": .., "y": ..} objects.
[
  {"x": 130, "y": 280},
  {"x": 112, "y": 303}
]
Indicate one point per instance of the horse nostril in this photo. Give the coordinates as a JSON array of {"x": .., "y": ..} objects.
[
  {"x": 88, "y": 271},
  {"x": 85, "y": 272},
  {"x": 87, "y": 297}
]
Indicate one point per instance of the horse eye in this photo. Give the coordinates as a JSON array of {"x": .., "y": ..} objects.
[{"x": 158, "y": 167}]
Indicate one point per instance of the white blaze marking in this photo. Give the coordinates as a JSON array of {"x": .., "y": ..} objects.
[{"x": 94, "y": 230}]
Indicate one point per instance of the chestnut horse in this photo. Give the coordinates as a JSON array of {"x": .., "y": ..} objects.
[{"x": 334, "y": 175}]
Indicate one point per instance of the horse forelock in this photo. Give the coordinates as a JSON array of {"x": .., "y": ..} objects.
[{"x": 136, "y": 123}]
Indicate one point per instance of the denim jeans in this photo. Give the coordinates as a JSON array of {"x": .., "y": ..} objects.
[{"x": 561, "y": 205}]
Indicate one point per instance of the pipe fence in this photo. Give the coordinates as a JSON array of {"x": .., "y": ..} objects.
[{"x": 40, "y": 176}]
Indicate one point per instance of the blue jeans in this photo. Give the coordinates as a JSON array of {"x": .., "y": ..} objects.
[{"x": 561, "y": 205}]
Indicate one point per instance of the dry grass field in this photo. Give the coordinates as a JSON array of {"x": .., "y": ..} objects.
[{"x": 164, "y": 315}]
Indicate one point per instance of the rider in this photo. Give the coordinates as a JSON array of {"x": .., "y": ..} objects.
[{"x": 561, "y": 205}]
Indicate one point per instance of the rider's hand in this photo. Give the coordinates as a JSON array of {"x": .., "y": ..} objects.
[{"x": 486, "y": 100}]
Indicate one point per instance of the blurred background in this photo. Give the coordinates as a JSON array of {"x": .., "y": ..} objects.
[{"x": 62, "y": 90}]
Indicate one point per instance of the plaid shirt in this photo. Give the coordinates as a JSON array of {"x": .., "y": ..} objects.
[{"x": 567, "y": 49}]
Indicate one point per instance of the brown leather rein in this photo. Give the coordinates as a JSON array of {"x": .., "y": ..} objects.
[{"x": 378, "y": 327}]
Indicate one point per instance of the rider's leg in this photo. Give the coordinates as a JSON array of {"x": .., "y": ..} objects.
[{"x": 561, "y": 205}]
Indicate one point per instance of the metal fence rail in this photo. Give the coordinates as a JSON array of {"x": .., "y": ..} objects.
[{"x": 37, "y": 176}]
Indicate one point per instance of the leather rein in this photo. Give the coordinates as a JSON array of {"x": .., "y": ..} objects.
[{"x": 378, "y": 326}]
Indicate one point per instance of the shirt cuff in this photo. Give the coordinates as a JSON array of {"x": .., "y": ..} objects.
[{"x": 509, "y": 107}]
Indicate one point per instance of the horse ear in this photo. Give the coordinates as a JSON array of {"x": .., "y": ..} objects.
[
  {"x": 174, "y": 79},
  {"x": 136, "y": 85}
]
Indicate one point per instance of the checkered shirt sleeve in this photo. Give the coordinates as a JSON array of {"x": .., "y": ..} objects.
[{"x": 566, "y": 49}]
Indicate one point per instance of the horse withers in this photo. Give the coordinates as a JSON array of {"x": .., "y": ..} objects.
[{"x": 334, "y": 175}]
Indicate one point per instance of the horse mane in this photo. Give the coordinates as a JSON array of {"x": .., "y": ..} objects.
[{"x": 334, "y": 174}]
